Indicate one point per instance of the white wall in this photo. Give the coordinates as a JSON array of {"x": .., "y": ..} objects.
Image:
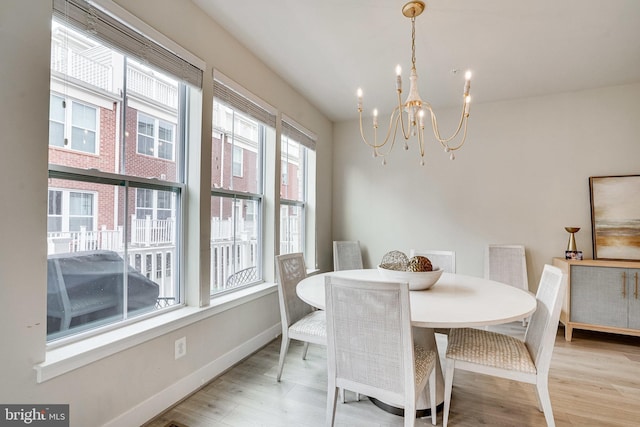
[
  {"x": 521, "y": 177},
  {"x": 139, "y": 377}
]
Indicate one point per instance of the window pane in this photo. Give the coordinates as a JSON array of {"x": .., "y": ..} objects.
[
  {"x": 56, "y": 134},
  {"x": 164, "y": 200},
  {"x": 165, "y": 140},
  {"x": 54, "y": 220},
  {"x": 293, "y": 173},
  {"x": 234, "y": 242},
  {"x": 238, "y": 154},
  {"x": 237, "y": 150},
  {"x": 55, "y": 202},
  {"x": 90, "y": 251},
  {"x": 81, "y": 203},
  {"x": 145, "y": 134},
  {"x": 85, "y": 265},
  {"x": 54, "y": 224},
  {"x": 83, "y": 135},
  {"x": 56, "y": 121},
  {"x": 291, "y": 229}
]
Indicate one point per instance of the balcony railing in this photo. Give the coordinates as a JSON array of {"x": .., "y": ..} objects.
[
  {"x": 73, "y": 64},
  {"x": 147, "y": 231},
  {"x": 150, "y": 87},
  {"x": 152, "y": 251}
]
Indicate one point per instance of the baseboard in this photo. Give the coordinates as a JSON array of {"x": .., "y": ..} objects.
[{"x": 168, "y": 397}]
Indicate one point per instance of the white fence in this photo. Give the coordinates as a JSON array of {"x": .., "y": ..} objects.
[
  {"x": 66, "y": 61},
  {"x": 152, "y": 251},
  {"x": 152, "y": 88},
  {"x": 149, "y": 231}
]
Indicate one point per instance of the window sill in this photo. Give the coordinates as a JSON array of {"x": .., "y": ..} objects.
[{"x": 64, "y": 359}]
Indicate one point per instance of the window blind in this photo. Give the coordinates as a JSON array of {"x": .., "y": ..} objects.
[
  {"x": 96, "y": 23},
  {"x": 297, "y": 135},
  {"x": 227, "y": 95}
]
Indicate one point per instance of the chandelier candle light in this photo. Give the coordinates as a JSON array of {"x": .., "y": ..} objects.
[{"x": 414, "y": 106}]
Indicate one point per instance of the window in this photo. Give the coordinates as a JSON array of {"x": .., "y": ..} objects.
[
  {"x": 241, "y": 130},
  {"x": 154, "y": 204},
  {"x": 72, "y": 125},
  {"x": 114, "y": 223},
  {"x": 293, "y": 188},
  {"x": 155, "y": 137},
  {"x": 70, "y": 211},
  {"x": 237, "y": 161}
]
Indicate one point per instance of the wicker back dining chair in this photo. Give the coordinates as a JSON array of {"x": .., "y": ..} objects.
[
  {"x": 446, "y": 260},
  {"x": 299, "y": 320},
  {"x": 507, "y": 264},
  {"x": 504, "y": 356},
  {"x": 370, "y": 348},
  {"x": 347, "y": 255}
]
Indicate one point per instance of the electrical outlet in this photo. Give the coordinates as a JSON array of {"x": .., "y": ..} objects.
[{"x": 181, "y": 347}]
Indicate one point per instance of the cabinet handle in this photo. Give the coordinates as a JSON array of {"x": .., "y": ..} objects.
[
  {"x": 624, "y": 284},
  {"x": 635, "y": 293}
]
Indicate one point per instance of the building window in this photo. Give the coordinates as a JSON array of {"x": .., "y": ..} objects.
[
  {"x": 238, "y": 152},
  {"x": 242, "y": 128},
  {"x": 72, "y": 125},
  {"x": 155, "y": 137},
  {"x": 71, "y": 211},
  {"x": 113, "y": 221}
]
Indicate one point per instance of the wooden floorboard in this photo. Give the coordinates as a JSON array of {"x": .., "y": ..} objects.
[{"x": 594, "y": 381}]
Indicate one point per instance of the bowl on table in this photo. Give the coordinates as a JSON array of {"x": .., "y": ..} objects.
[{"x": 418, "y": 280}]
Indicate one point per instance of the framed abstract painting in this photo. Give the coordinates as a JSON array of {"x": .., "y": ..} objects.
[{"x": 615, "y": 216}]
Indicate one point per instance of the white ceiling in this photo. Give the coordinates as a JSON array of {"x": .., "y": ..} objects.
[{"x": 326, "y": 49}]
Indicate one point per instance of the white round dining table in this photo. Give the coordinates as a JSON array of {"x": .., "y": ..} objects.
[{"x": 455, "y": 301}]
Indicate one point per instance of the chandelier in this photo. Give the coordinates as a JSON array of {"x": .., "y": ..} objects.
[{"x": 412, "y": 122}]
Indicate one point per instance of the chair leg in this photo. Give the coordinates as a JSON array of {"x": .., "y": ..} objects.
[
  {"x": 332, "y": 396},
  {"x": 432, "y": 396},
  {"x": 304, "y": 350},
  {"x": 284, "y": 347},
  {"x": 542, "y": 389},
  {"x": 448, "y": 385},
  {"x": 410, "y": 414},
  {"x": 343, "y": 396}
]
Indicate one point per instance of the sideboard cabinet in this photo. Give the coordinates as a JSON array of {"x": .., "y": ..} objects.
[{"x": 602, "y": 295}]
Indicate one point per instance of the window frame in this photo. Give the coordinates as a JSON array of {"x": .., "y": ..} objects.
[
  {"x": 288, "y": 202},
  {"x": 228, "y": 95},
  {"x": 65, "y": 168},
  {"x": 126, "y": 183}
]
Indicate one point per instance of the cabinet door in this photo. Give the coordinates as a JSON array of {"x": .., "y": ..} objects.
[
  {"x": 633, "y": 296},
  {"x": 597, "y": 296}
]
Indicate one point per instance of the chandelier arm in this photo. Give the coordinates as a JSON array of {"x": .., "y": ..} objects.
[
  {"x": 464, "y": 138},
  {"x": 395, "y": 126},
  {"x": 421, "y": 140},
  {"x": 436, "y": 131},
  {"x": 405, "y": 133},
  {"x": 375, "y": 144}
]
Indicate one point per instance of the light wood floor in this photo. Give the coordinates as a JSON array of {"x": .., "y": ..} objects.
[{"x": 594, "y": 381}]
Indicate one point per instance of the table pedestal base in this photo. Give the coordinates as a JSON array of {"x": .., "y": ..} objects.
[{"x": 420, "y": 413}]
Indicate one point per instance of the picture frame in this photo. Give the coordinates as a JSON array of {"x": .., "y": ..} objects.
[{"x": 615, "y": 216}]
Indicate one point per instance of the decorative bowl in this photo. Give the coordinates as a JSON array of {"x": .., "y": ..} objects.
[{"x": 418, "y": 280}]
